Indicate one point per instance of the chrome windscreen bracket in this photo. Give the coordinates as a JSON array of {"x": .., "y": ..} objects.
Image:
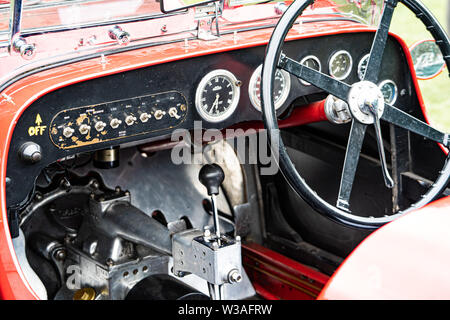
[
  {"x": 207, "y": 16},
  {"x": 16, "y": 43}
]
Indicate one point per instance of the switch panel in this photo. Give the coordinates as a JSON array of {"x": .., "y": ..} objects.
[{"x": 116, "y": 120}]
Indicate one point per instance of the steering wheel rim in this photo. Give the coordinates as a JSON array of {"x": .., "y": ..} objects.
[{"x": 275, "y": 59}]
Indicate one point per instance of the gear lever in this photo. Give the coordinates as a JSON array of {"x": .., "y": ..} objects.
[
  {"x": 212, "y": 176},
  {"x": 215, "y": 257}
]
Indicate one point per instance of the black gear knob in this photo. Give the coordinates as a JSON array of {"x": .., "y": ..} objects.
[{"x": 211, "y": 176}]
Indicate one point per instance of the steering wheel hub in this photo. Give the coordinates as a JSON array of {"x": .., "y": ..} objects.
[{"x": 362, "y": 97}]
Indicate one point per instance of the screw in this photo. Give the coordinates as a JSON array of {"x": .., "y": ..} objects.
[
  {"x": 180, "y": 274},
  {"x": 95, "y": 184},
  {"x": 60, "y": 254},
  {"x": 109, "y": 262},
  {"x": 206, "y": 232}
]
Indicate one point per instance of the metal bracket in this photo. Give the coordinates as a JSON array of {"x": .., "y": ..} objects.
[
  {"x": 206, "y": 16},
  {"x": 201, "y": 254}
]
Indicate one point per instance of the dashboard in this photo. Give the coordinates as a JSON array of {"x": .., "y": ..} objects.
[{"x": 147, "y": 104}]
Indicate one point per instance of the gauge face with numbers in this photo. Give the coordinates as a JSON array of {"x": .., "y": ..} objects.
[
  {"x": 389, "y": 90},
  {"x": 340, "y": 65},
  {"x": 281, "y": 88},
  {"x": 217, "y": 95},
  {"x": 362, "y": 66}
]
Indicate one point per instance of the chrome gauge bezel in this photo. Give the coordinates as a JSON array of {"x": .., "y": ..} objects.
[
  {"x": 334, "y": 57},
  {"x": 360, "y": 64},
  {"x": 303, "y": 82},
  {"x": 393, "y": 99},
  {"x": 234, "y": 101},
  {"x": 256, "y": 103}
]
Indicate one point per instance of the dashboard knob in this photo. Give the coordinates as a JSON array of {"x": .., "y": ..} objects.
[
  {"x": 115, "y": 123},
  {"x": 130, "y": 120},
  {"x": 68, "y": 132},
  {"x": 174, "y": 113},
  {"x": 84, "y": 128},
  {"x": 159, "y": 114},
  {"x": 100, "y": 125},
  {"x": 144, "y": 117},
  {"x": 30, "y": 152}
]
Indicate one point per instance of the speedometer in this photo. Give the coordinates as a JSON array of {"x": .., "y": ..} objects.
[
  {"x": 340, "y": 65},
  {"x": 281, "y": 88},
  {"x": 217, "y": 95}
]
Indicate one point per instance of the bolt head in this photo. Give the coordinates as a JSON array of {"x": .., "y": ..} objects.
[
  {"x": 60, "y": 255},
  {"x": 234, "y": 276}
]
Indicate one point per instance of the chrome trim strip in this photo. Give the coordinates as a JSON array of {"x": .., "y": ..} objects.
[{"x": 53, "y": 29}]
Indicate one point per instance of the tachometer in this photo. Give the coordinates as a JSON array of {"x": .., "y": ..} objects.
[
  {"x": 389, "y": 90},
  {"x": 340, "y": 65},
  {"x": 314, "y": 63},
  {"x": 362, "y": 66},
  {"x": 281, "y": 88},
  {"x": 217, "y": 95}
]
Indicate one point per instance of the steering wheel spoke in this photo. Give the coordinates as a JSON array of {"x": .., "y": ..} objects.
[
  {"x": 379, "y": 42},
  {"x": 355, "y": 141},
  {"x": 322, "y": 81},
  {"x": 402, "y": 119}
]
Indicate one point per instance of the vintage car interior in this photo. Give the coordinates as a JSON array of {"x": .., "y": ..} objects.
[{"x": 207, "y": 149}]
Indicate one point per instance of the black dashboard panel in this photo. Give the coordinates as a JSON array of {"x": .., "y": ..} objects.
[{"x": 158, "y": 89}]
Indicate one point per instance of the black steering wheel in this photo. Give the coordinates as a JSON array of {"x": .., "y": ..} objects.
[{"x": 366, "y": 106}]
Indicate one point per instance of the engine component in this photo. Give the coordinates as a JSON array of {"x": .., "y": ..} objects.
[
  {"x": 88, "y": 241},
  {"x": 164, "y": 287},
  {"x": 107, "y": 158},
  {"x": 116, "y": 246}
]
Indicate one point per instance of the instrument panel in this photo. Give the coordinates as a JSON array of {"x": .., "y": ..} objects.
[{"x": 148, "y": 104}]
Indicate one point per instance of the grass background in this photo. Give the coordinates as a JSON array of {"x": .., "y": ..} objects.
[{"x": 435, "y": 91}]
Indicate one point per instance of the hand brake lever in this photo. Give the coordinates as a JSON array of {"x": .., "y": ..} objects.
[{"x": 387, "y": 177}]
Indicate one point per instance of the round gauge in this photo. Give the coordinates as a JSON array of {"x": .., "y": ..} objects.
[
  {"x": 281, "y": 88},
  {"x": 314, "y": 63},
  {"x": 389, "y": 90},
  {"x": 217, "y": 95},
  {"x": 340, "y": 65},
  {"x": 362, "y": 66}
]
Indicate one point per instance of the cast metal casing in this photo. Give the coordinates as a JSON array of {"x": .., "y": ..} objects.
[{"x": 194, "y": 253}]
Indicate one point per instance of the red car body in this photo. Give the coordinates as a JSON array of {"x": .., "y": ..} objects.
[{"x": 381, "y": 267}]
